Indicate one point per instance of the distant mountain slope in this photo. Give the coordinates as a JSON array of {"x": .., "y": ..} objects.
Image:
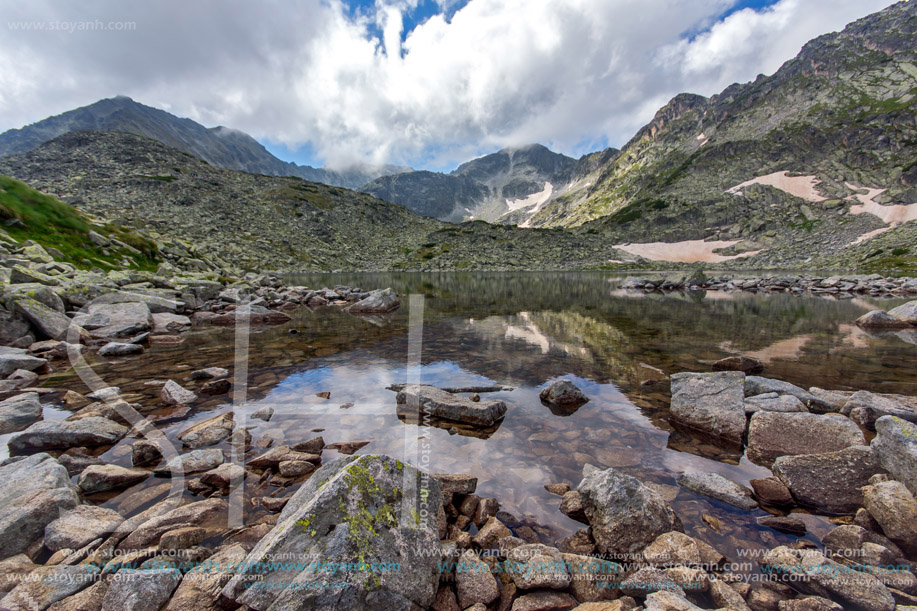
[
  {"x": 842, "y": 112},
  {"x": 507, "y": 186},
  {"x": 240, "y": 221},
  {"x": 223, "y": 147}
]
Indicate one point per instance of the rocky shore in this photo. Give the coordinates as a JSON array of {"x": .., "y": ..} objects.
[{"x": 840, "y": 286}]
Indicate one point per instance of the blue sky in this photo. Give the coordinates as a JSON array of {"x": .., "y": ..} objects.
[{"x": 345, "y": 82}]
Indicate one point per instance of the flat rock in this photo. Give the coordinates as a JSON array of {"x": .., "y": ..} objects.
[
  {"x": 775, "y": 434},
  {"x": 830, "y": 481},
  {"x": 826, "y": 578},
  {"x": 895, "y": 445},
  {"x": 712, "y": 403},
  {"x": 625, "y": 515},
  {"x": 273, "y": 457},
  {"x": 141, "y": 590},
  {"x": 880, "y": 319},
  {"x": 208, "y": 432},
  {"x": 784, "y": 524},
  {"x": 544, "y": 601},
  {"x": 717, "y": 487},
  {"x": 34, "y": 491},
  {"x": 223, "y": 476},
  {"x": 378, "y": 488},
  {"x": 906, "y": 312},
  {"x": 441, "y": 404},
  {"x": 772, "y": 402},
  {"x": 756, "y": 385},
  {"x": 120, "y": 349},
  {"x": 63, "y": 434},
  {"x": 378, "y": 302},
  {"x": 668, "y": 601},
  {"x": 80, "y": 526},
  {"x": 194, "y": 461},
  {"x": 149, "y": 531},
  {"x": 19, "y": 412},
  {"x": 100, "y": 478},
  {"x": 174, "y": 394},
  {"x": 745, "y": 364},
  {"x": 12, "y": 359},
  {"x": 121, "y": 319}
]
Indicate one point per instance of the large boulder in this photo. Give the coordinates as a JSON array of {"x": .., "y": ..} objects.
[
  {"x": 775, "y": 434},
  {"x": 49, "y": 322},
  {"x": 116, "y": 319},
  {"x": 812, "y": 573},
  {"x": 80, "y": 526},
  {"x": 64, "y": 434},
  {"x": 906, "y": 313},
  {"x": 378, "y": 302},
  {"x": 895, "y": 446},
  {"x": 712, "y": 403},
  {"x": 34, "y": 491},
  {"x": 422, "y": 398},
  {"x": 893, "y": 507},
  {"x": 357, "y": 511},
  {"x": 17, "y": 413},
  {"x": 625, "y": 515},
  {"x": 866, "y": 408},
  {"x": 12, "y": 359},
  {"x": 829, "y": 482}
]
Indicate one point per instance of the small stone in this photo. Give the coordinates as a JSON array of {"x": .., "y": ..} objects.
[
  {"x": 216, "y": 387},
  {"x": 173, "y": 394},
  {"x": 182, "y": 538},
  {"x": 210, "y": 373}
]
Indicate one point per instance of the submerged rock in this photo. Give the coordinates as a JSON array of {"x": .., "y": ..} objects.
[
  {"x": 441, "y": 404},
  {"x": 355, "y": 510},
  {"x": 712, "y": 403},
  {"x": 718, "y": 487},
  {"x": 624, "y": 514},
  {"x": 745, "y": 364}
]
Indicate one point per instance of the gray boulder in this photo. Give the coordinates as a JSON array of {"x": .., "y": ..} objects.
[
  {"x": 812, "y": 573},
  {"x": 712, "y": 403},
  {"x": 12, "y": 359},
  {"x": 64, "y": 434},
  {"x": 202, "y": 584},
  {"x": 717, "y": 487},
  {"x": 474, "y": 581},
  {"x": 893, "y": 507},
  {"x": 361, "y": 509},
  {"x": 141, "y": 590},
  {"x": 772, "y": 402},
  {"x": 866, "y": 408},
  {"x": 34, "y": 491},
  {"x": 756, "y": 385},
  {"x": 47, "y": 321},
  {"x": 146, "y": 531},
  {"x": 121, "y": 319},
  {"x": 880, "y": 319},
  {"x": 173, "y": 393},
  {"x": 209, "y": 432},
  {"x": 378, "y": 302},
  {"x": 895, "y": 445},
  {"x": 538, "y": 566},
  {"x": 775, "y": 434},
  {"x": 829, "y": 482},
  {"x": 441, "y": 404},
  {"x": 80, "y": 526},
  {"x": 625, "y": 515},
  {"x": 165, "y": 323},
  {"x": 100, "y": 478},
  {"x": 906, "y": 313},
  {"x": 17, "y": 413}
]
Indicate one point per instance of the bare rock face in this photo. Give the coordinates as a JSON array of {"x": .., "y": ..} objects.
[
  {"x": 448, "y": 406},
  {"x": 775, "y": 434},
  {"x": 830, "y": 481},
  {"x": 352, "y": 510},
  {"x": 712, "y": 403},
  {"x": 35, "y": 491},
  {"x": 818, "y": 575},
  {"x": 625, "y": 515}
]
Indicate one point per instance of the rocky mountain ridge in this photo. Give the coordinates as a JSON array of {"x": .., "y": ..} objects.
[{"x": 221, "y": 146}]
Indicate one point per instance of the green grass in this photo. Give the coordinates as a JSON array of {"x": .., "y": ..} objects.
[{"x": 28, "y": 214}]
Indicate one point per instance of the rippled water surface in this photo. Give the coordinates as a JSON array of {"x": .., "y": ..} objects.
[{"x": 522, "y": 331}]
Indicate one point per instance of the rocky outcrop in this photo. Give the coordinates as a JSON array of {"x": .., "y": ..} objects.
[
  {"x": 356, "y": 510},
  {"x": 624, "y": 514}
]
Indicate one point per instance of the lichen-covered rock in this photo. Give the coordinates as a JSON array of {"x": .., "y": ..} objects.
[
  {"x": 712, "y": 403},
  {"x": 625, "y": 515},
  {"x": 361, "y": 509}
]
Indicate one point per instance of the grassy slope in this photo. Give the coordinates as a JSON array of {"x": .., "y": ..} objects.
[{"x": 31, "y": 215}]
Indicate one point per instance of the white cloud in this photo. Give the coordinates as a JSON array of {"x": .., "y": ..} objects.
[{"x": 497, "y": 73}]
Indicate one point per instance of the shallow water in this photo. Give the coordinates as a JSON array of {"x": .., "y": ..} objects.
[{"x": 522, "y": 331}]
